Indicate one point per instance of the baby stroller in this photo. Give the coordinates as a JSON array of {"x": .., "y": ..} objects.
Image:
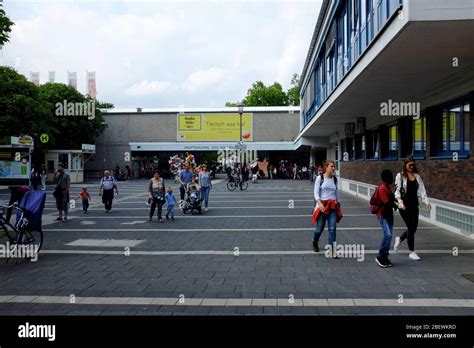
[{"x": 193, "y": 199}]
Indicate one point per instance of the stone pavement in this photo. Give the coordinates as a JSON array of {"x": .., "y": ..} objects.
[{"x": 249, "y": 254}]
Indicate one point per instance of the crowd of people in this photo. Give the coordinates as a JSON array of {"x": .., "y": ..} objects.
[
  {"x": 404, "y": 195},
  {"x": 402, "y": 192}
]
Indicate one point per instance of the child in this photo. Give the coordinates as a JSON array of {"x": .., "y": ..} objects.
[
  {"x": 170, "y": 201},
  {"x": 86, "y": 197},
  {"x": 386, "y": 204}
]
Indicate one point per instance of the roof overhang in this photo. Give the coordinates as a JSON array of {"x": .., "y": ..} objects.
[{"x": 414, "y": 64}]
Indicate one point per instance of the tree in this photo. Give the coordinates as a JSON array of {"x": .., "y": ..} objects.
[
  {"x": 72, "y": 130},
  {"x": 5, "y": 27},
  {"x": 261, "y": 95},
  {"x": 294, "y": 92},
  {"x": 22, "y": 110}
]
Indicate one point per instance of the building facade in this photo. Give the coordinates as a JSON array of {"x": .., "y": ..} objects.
[
  {"x": 135, "y": 136},
  {"x": 386, "y": 79}
]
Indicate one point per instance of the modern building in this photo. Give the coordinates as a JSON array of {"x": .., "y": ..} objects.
[
  {"x": 385, "y": 79},
  {"x": 137, "y": 136}
]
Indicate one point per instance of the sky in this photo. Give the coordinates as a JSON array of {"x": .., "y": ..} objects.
[{"x": 154, "y": 53}]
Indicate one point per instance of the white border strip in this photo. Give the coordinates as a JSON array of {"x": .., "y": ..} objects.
[{"x": 242, "y": 302}]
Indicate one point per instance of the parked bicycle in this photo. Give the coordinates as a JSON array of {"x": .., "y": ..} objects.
[
  {"x": 19, "y": 233},
  {"x": 28, "y": 227}
]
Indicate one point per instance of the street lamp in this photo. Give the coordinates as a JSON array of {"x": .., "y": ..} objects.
[{"x": 240, "y": 107}]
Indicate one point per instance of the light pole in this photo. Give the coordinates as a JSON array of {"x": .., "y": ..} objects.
[
  {"x": 241, "y": 111},
  {"x": 240, "y": 107}
]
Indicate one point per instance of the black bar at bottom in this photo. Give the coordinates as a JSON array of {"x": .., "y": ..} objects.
[{"x": 261, "y": 330}]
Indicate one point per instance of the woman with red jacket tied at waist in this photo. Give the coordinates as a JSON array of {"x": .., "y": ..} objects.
[{"x": 327, "y": 200}]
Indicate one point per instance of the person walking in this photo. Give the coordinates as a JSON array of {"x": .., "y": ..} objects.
[
  {"x": 171, "y": 203},
  {"x": 410, "y": 189},
  {"x": 327, "y": 200},
  {"x": 128, "y": 172},
  {"x": 385, "y": 205},
  {"x": 43, "y": 174},
  {"x": 185, "y": 177},
  {"x": 156, "y": 192},
  {"x": 61, "y": 192},
  {"x": 204, "y": 184},
  {"x": 106, "y": 189},
  {"x": 86, "y": 197},
  {"x": 312, "y": 170}
]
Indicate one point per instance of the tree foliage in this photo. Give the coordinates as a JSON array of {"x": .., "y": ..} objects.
[
  {"x": 5, "y": 27},
  {"x": 28, "y": 109},
  {"x": 273, "y": 95}
]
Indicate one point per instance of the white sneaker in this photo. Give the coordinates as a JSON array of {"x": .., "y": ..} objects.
[
  {"x": 413, "y": 256},
  {"x": 206, "y": 209},
  {"x": 397, "y": 244}
]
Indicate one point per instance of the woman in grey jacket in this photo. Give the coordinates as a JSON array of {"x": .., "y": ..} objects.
[{"x": 410, "y": 190}]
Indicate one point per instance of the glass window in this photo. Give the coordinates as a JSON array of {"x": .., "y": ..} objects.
[
  {"x": 467, "y": 129},
  {"x": 444, "y": 144},
  {"x": 393, "y": 141},
  {"x": 371, "y": 143},
  {"x": 419, "y": 135},
  {"x": 76, "y": 162},
  {"x": 64, "y": 159},
  {"x": 455, "y": 129}
]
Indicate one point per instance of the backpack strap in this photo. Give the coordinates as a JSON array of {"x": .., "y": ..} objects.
[{"x": 322, "y": 180}]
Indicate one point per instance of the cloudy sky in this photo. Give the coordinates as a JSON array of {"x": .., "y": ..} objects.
[{"x": 157, "y": 53}]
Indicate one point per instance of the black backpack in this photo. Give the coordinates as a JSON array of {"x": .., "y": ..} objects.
[{"x": 322, "y": 180}]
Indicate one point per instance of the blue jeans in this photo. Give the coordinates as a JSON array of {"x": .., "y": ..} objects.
[
  {"x": 205, "y": 195},
  {"x": 170, "y": 210},
  {"x": 387, "y": 228},
  {"x": 321, "y": 223}
]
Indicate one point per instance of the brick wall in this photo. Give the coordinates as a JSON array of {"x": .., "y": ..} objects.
[{"x": 444, "y": 179}]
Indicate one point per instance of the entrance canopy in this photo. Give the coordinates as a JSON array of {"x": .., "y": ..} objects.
[{"x": 211, "y": 146}]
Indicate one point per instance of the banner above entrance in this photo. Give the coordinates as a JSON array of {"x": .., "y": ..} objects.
[{"x": 214, "y": 127}]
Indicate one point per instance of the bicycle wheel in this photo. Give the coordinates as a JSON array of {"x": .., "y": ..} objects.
[
  {"x": 231, "y": 186},
  {"x": 4, "y": 235},
  {"x": 34, "y": 238},
  {"x": 245, "y": 185}
]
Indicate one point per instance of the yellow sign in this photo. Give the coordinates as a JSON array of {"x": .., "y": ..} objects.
[{"x": 214, "y": 127}]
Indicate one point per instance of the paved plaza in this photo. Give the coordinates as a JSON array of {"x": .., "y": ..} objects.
[{"x": 250, "y": 254}]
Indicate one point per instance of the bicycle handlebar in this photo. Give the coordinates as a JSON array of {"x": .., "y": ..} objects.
[{"x": 12, "y": 206}]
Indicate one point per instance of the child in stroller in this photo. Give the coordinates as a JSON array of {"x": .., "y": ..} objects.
[{"x": 193, "y": 198}]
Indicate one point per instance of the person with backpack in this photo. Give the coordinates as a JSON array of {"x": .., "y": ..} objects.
[
  {"x": 106, "y": 190},
  {"x": 327, "y": 206},
  {"x": 382, "y": 203},
  {"x": 410, "y": 189}
]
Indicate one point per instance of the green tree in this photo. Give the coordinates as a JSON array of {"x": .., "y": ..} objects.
[
  {"x": 261, "y": 95},
  {"x": 294, "y": 91},
  {"x": 72, "y": 130},
  {"x": 22, "y": 110},
  {"x": 5, "y": 26}
]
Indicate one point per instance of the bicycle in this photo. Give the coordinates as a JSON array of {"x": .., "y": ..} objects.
[
  {"x": 235, "y": 181},
  {"x": 19, "y": 234}
]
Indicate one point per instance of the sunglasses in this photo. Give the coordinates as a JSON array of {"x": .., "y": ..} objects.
[{"x": 410, "y": 165}]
